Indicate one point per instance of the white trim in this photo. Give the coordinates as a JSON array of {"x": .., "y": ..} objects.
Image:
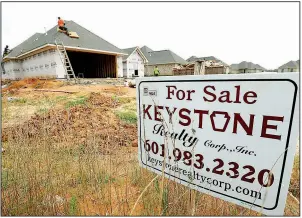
[
  {"x": 51, "y": 45},
  {"x": 141, "y": 54},
  {"x": 43, "y": 46},
  {"x": 88, "y": 49}
]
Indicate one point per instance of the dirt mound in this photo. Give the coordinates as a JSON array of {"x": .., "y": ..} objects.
[
  {"x": 116, "y": 90},
  {"x": 78, "y": 125},
  {"x": 33, "y": 83},
  {"x": 98, "y": 99}
]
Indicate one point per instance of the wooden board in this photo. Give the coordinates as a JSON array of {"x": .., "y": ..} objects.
[{"x": 73, "y": 35}]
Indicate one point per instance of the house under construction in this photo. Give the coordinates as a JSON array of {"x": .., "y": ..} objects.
[{"x": 57, "y": 55}]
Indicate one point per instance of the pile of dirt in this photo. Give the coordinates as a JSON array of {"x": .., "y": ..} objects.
[
  {"x": 116, "y": 90},
  {"x": 100, "y": 100},
  {"x": 33, "y": 83},
  {"x": 78, "y": 125}
]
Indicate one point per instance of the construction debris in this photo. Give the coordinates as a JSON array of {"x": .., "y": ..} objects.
[
  {"x": 73, "y": 35},
  {"x": 200, "y": 67},
  {"x": 11, "y": 99}
]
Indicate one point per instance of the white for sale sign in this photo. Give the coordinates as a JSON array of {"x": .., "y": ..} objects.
[{"x": 231, "y": 136}]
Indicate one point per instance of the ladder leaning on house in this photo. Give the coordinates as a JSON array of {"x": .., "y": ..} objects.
[{"x": 65, "y": 60}]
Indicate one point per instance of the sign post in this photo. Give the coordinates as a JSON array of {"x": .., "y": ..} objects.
[{"x": 230, "y": 136}]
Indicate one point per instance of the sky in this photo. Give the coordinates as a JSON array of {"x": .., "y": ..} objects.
[{"x": 262, "y": 33}]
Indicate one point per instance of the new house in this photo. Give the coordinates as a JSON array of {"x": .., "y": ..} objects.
[
  {"x": 165, "y": 60},
  {"x": 246, "y": 67},
  {"x": 38, "y": 56},
  {"x": 291, "y": 66},
  {"x": 212, "y": 61},
  {"x": 134, "y": 62}
]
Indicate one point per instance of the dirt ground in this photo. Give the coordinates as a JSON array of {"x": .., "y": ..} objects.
[{"x": 75, "y": 154}]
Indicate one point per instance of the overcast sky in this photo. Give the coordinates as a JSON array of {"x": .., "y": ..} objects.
[{"x": 263, "y": 33}]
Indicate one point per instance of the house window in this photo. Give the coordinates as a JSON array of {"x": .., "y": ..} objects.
[
  {"x": 40, "y": 54},
  {"x": 291, "y": 70},
  {"x": 46, "y": 66},
  {"x": 41, "y": 67}
]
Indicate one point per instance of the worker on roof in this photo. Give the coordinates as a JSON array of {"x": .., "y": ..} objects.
[
  {"x": 6, "y": 51},
  {"x": 156, "y": 71},
  {"x": 62, "y": 26}
]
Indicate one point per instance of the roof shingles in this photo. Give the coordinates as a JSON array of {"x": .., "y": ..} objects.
[
  {"x": 86, "y": 39},
  {"x": 161, "y": 57}
]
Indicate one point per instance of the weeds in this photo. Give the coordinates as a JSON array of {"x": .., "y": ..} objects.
[
  {"x": 21, "y": 100},
  {"x": 78, "y": 101},
  {"x": 81, "y": 155},
  {"x": 127, "y": 116},
  {"x": 73, "y": 206}
]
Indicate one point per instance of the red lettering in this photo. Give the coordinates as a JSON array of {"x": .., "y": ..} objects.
[
  {"x": 200, "y": 112},
  {"x": 247, "y": 128},
  {"x": 266, "y": 126},
  {"x": 146, "y": 111},
  {"x": 226, "y": 115},
  {"x": 157, "y": 112},
  {"x": 183, "y": 116},
  {"x": 226, "y": 96},
  {"x": 209, "y": 93},
  {"x": 246, "y": 96},
  {"x": 189, "y": 94},
  {"x": 170, "y": 92},
  {"x": 170, "y": 113},
  {"x": 182, "y": 96},
  {"x": 237, "y": 95}
]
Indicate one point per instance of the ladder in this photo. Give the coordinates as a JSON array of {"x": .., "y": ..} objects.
[{"x": 65, "y": 60}]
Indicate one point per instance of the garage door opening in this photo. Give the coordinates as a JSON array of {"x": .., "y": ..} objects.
[{"x": 92, "y": 65}]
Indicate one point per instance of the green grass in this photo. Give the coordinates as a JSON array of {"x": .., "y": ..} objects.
[
  {"x": 78, "y": 101},
  {"x": 73, "y": 206},
  {"x": 127, "y": 116}
]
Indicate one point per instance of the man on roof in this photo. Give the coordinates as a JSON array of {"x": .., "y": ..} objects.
[
  {"x": 61, "y": 25},
  {"x": 6, "y": 51}
]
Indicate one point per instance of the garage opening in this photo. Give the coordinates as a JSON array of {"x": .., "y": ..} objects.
[{"x": 91, "y": 65}]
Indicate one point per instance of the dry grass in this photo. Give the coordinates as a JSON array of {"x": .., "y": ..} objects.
[{"x": 75, "y": 157}]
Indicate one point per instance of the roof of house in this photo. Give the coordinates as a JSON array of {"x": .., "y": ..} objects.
[
  {"x": 209, "y": 58},
  {"x": 128, "y": 51},
  {"x": 86, "y": 39},
  {"x": 161, "y": 57},
  {"x": 145, "y": 50},
  {"x": 290, "y": 64},
  {"x": 246, "y": 65}
]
